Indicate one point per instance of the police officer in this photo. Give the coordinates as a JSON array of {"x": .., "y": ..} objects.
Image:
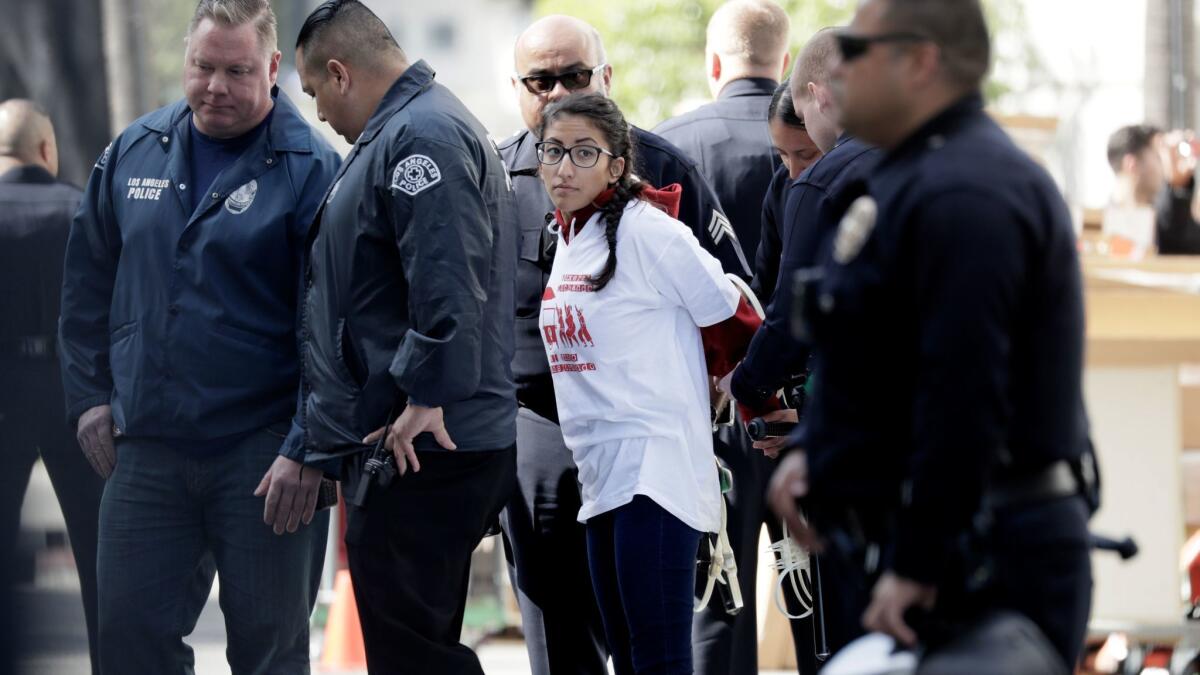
[
  {"x": 798, "y": 152},
  {"x": 544, "y": 542},
  {"x": 36, "y": 216},
  {"x": 813, "y": 204},
  {"x": 746, "y": 52},
  {"x": 949, "y": 337},
  {"x": 177, "y": 337},
  {"x": 409, "y": 309}
]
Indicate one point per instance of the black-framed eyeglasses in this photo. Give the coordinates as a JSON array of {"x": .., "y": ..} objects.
[
  {"x": 572, "y": 80},
  {"x": 582, "y": 156},
  {"x": 854, "y": 46}
]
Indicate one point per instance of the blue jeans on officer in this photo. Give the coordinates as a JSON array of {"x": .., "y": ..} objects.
[{"x": 169, "y": 520}]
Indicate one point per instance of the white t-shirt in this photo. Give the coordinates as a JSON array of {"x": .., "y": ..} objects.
[{"x": 628, "y": 364}]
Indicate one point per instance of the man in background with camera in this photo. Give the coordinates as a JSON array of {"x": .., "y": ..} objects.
[{"x": 1157, "y": 170}]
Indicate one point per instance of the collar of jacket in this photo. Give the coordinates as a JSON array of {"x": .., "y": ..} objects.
[
  {"x": 416, "y": 79},
  {"x": 286, "y": 132},
  {"x": 27, "y": 173},
  {"x": 947, "y": 120},
  {"x": 526, "y": 159},
  {"x": 748, "y": 86}
]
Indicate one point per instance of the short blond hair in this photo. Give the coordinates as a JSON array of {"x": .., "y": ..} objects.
[
  {"x": 815, "y": 62},
  {"x": 755, "y": 31},
  {"x": 234, "y": 13}
]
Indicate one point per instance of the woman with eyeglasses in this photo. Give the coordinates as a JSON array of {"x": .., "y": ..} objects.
[{"x": 621, "y": 319}]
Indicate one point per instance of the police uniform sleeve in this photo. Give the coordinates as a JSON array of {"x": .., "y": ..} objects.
[
  {"x": 322, "y": 165},
  {"x": 967, "y": 269},
  {"x": 443, "y": 231},
  {"x": 89, "y": 275},
  {"x": 770, "y": 247},
  {"x": 700, "y": 209},
  {"x": 774, "y": 355}
]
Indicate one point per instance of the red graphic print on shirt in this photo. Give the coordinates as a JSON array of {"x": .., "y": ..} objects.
[{"x": 564, "y": 327}]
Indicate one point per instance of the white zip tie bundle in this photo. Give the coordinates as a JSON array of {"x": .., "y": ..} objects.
[{"x": 792, "y": 562}]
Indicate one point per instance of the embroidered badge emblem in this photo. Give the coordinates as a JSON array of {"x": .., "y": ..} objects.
[
  {"x": 242, "y": 198},
  {"x": 414, "y": 174}
]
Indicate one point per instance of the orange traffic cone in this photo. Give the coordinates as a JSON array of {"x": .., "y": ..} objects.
[{"x": 343, "y": 648}]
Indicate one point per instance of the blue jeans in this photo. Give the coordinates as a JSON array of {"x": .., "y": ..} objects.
[
  {"x": 643, "y": 565},
  {"x": 168, "y": 521}
]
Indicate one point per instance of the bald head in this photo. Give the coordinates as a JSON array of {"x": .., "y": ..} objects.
[
  {"x": 556, "y": 56},
  {"x": 558, "y": 33},
  {"x": 26, "y": 135},
  {"x": 754, "y": 32}
]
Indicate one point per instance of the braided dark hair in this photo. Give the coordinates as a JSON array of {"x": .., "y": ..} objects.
[{"x": 608, "y": 119}]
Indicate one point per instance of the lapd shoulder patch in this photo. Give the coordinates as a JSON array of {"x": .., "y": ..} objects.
[{"x": 414, "y": 174}]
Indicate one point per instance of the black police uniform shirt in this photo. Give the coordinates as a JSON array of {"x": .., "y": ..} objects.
[
  {"x": 35, "y": 218},
  {"x": 660, "y": 164},
  {"x": 730, "y": 141},
  {"x": 411, "y": 278},
  {"x": 185, "y": 319},
  {"x": 814, "y": 203},
  {"x": 949, "y": 335}
]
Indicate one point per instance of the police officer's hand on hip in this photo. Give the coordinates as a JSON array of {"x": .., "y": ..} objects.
[{"x": 415, "y": 419}]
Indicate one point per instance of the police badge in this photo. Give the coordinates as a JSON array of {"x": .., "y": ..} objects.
[
  {"x": 855, "y": 229},
  {"x": 242, "y": 198}
]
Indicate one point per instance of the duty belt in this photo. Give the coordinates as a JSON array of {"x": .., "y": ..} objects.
[
  {"x": 1055, "y": 481},
  {"x": 33, "y": 346}
]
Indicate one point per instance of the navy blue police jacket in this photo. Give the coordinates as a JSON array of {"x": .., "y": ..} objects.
[
  {"x": 731, "y": 144},
  {"x": 949, "y": 336},
  {"x": 814, "y": 203},
  {"x": 185, "y": 321},
  {"x": 770, "y": 244},
  {"x": 659, "y": 163},
  {"x": 410, "y": 280}
]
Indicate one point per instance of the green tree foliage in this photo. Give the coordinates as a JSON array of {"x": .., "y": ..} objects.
[{"x": 656, "y": 47}]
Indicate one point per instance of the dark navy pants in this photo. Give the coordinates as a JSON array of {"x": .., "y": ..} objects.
[
  {"x": 1043, "y": 569},
  {"x": 643, "y": 565},
  {"x": 410, "y": 549},
  {"x": 31, "y": 425},
  {"x": 168, "y": 521}
]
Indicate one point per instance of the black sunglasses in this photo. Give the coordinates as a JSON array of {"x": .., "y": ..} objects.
[
  {"x": 571, "y": 80},
  {"x": 853, "y": 46}
]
